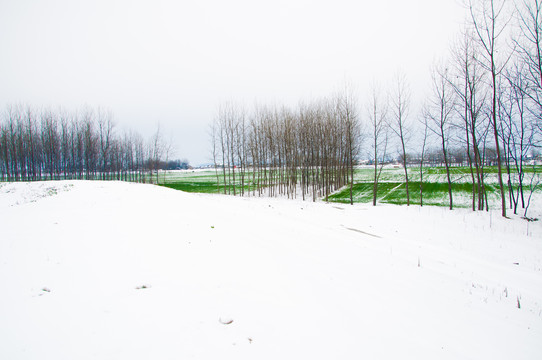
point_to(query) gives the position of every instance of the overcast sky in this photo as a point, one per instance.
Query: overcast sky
(173, 62)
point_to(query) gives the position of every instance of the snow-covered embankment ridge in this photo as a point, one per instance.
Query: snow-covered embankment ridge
(109, 270)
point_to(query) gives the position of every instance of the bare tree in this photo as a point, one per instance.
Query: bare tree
(168, 150)
(422, 155)
(398, 122)
(348, 116)
(105, 131)
(529, 50)
(489, 24)
(156, 150)
(518, 130)
(471, 94)
(438, 111)
(51, 143)
(214, 144)
(377, 112)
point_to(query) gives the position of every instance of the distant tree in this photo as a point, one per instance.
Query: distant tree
(167, 149)
(105, 131)
(377, 112)
(422, 154)
(156, 150)
(51, 143)
(214, 144)
(90, 145)
(438, 112)
(350, 125)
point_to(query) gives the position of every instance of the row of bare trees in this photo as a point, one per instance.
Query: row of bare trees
(308, 151)
(495, 86)
(486, 98)
(40, 145)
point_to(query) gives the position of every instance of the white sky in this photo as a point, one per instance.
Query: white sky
(173, 62)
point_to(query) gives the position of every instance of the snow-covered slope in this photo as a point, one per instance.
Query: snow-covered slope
(109, 270)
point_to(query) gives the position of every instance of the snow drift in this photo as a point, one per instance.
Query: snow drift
(110, 270)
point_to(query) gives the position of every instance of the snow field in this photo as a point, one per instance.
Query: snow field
(110, 270)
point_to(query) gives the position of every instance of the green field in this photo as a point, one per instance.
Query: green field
(199, 182)
(391, 189)
(395, 193)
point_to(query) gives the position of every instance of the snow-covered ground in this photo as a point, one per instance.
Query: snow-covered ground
(110, 270)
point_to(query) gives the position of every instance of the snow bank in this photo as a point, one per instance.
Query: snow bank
(110, 270)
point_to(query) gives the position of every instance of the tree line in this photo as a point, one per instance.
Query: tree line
(54, 145)
(308, 151)
(485, 98)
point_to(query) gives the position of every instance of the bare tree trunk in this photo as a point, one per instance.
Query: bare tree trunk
(488, 35)
(400, 103)
(377, 116)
